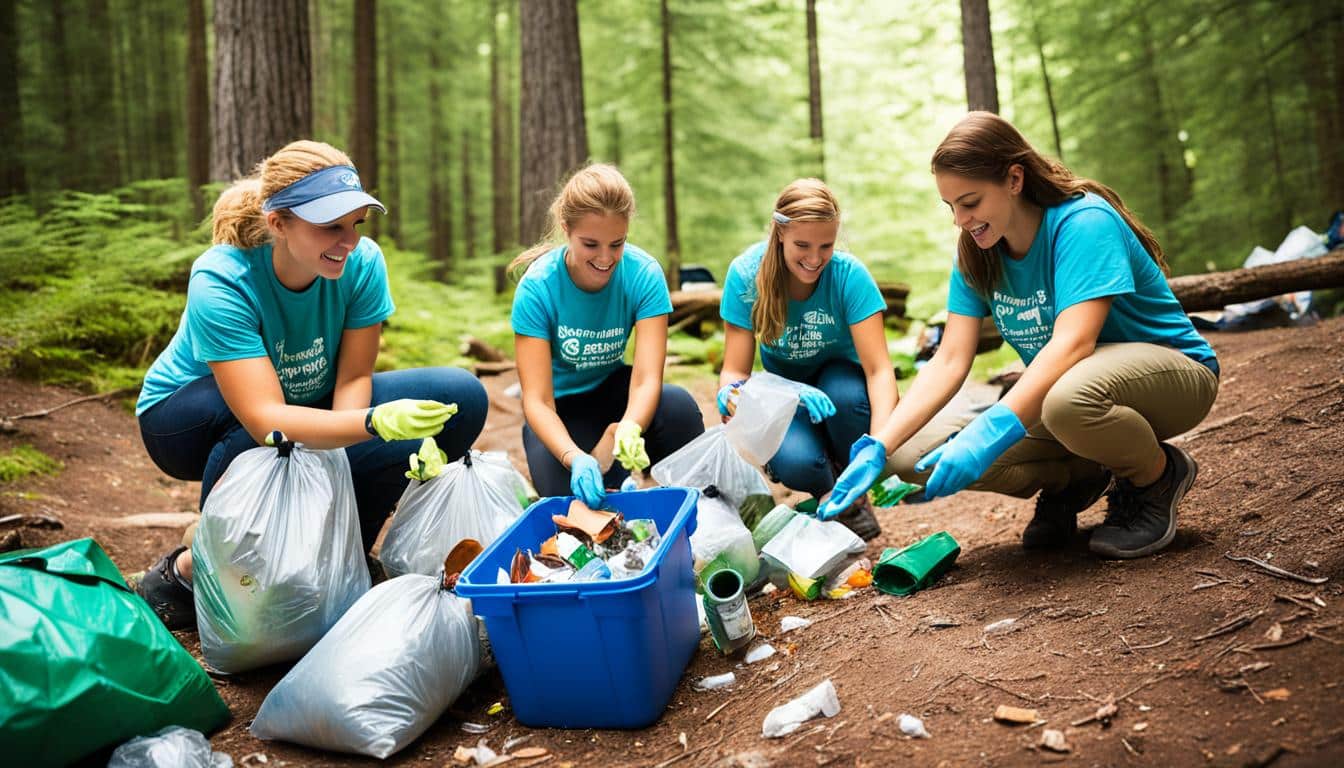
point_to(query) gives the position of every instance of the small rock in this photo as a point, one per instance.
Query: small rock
(1275, 632)
(1140, 726)
(1054, 741)
(1278, 694)
(527, 753)
(1001, 626)
(913, 727)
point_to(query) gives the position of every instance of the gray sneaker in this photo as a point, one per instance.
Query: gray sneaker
(1141, 521)
(1056, 518)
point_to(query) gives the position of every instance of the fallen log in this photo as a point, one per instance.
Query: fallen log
(493, 368)
(1215, 290)
(482, 350)
(704, 305)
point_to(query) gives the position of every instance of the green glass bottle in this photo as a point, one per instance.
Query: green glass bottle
(726, 611)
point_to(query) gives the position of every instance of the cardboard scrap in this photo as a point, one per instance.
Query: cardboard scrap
(1007, 714)
(596, 525)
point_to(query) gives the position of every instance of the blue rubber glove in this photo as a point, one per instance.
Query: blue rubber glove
(819, 406)
(585, 480)
(867, 458)
(962, 460)
(722, 399)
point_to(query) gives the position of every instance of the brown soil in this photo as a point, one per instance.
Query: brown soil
(1270, 486)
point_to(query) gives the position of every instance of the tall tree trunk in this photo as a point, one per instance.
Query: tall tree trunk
(468, 198)
(1285, 206)
(198, 108)
(669, 171)
(1045, 78)
(814, 89)
(440, 247)
(12, 178)
(1327, 132)
(263, 82)
(164, 91)
(554, 136)
(122, 30)
(501, 180)
(391, 195)
(511, 111)
(977, 51)
(102, 102)
(71, 174)
(364, 121)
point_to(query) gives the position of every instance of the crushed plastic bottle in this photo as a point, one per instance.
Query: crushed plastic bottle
(789, 717)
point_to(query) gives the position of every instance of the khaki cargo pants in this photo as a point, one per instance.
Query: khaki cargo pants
(1110, 409)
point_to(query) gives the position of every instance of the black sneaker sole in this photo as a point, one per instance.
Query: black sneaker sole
(1057, 538)
(1173, 454)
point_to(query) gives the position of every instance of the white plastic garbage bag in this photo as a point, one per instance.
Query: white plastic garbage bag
(277, 556)
(171, 747)
(764, 410)
(720, 534)
(710, 460)
(476, 497)
(790, 716)
(387, 670)
(811, 548)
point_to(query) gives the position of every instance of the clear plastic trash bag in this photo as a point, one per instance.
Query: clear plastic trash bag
(764, 410)
(711, 460)
(277, 556)
(811, 548)
(721, 540)
(475, 497)
(387, 670)
(171, 747)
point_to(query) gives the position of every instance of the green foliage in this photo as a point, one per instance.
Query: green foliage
(25, 460)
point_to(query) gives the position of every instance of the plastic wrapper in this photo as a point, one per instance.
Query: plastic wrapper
(171, 747)
(475, 497)
(721, 540)
(790, 716)
(711, 460)
(277, 556)
(764, 409)
(387, 670)
(811, 548)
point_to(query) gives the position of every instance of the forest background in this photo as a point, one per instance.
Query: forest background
(1220, 122)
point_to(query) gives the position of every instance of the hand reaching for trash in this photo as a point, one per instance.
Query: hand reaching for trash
(630, 451)
(962, 460)
(818, 404)
(585, 480)
(408, 419)
(867, 457)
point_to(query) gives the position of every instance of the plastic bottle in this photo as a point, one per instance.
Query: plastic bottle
(590, 567)
(726, 611)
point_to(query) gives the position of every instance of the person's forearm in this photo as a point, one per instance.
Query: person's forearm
(643, 401)
(882, 399)
(729, 376)
(314, 427)
(932, 388)
(548, 427)
(1058, 355)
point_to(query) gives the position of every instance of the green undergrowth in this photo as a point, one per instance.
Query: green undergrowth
(24, 461)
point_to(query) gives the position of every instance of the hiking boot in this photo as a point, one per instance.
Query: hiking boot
(1141, 521)
(1056, 518)
(172, 601)
(860, 519)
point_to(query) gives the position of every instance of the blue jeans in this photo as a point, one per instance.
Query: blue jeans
(676, 422)
(192, 435)
(807, 459)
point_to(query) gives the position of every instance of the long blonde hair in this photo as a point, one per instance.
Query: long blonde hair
(985, 146)
(596, 189)
(237, 219)
(802, 200)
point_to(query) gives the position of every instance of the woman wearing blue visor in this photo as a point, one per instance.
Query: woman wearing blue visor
(281, 331)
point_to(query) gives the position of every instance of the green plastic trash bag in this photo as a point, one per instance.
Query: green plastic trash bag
(907, 570)
(84, 662)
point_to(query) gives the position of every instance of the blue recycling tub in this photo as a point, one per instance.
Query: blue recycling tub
(594, 654)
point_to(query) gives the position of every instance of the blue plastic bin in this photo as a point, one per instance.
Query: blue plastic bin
(594, 654)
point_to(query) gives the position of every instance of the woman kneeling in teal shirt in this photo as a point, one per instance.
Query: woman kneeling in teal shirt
(1076, 286)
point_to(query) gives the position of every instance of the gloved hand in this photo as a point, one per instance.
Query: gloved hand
(630, 450)
(726, 398)
(585, 480)
(409, 419)
(963, 459)
(427, 463)
(867, 457)
(819, 406)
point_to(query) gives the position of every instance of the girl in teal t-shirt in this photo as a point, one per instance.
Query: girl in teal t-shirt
(817, 315)
(280, 332)
(575, 308)
(1114, 368)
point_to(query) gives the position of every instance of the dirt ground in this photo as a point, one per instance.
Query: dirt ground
(1271, 485)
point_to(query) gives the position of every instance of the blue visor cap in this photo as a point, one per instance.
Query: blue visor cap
(323, 196)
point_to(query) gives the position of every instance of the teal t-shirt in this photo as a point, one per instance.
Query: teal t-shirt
(817, 328)
(588, 332)
(238, 309)
(1083, 250)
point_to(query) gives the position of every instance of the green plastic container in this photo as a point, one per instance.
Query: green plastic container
(905, 571)
(770, 525)
(84, 663)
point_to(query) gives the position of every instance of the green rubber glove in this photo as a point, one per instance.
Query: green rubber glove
(409, 419)
(630, 446)
(428, 462)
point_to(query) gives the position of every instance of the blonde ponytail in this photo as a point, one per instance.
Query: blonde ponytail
(237, 219)
(802, 200)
